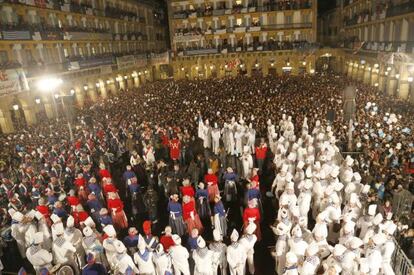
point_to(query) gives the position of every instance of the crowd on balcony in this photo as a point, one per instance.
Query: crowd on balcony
(383, 46)
(238, 8)
(270, 45)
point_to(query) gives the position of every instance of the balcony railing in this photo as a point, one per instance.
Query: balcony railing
(237, 9)
(287, 26)
(261, 46)
(381, 46)
(400, 9)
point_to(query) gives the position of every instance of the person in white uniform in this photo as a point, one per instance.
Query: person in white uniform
(179, 257)
(203, 258)
(143, 258)
(219, 249)
(236, 255)
(248, 241)
(37, 256)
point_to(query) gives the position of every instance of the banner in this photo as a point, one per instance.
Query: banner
(51, 35)
(126, 61)
(16, 35)
(87, 63)
(187, 38)
(141, 60)
(160, 58)
(12, 81)
(87, 36)
(106, 69)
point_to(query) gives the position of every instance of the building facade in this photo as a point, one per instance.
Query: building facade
(378, 44)
(93, 47)
(250, 33)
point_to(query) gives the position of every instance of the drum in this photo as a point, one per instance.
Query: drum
(63, 269)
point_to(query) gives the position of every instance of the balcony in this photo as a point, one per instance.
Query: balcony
(380, 46)
(286, 26)
(242, 47)
(237, 9)
(239, 29)
(400, 9)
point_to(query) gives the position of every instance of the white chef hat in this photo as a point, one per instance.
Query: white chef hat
(291, 258)
(339, 250)
(59, 230)
(372, 209)
(55, 218)
(234, 235)
(141, 242)
(217, 235)
(87, 231)
(119, 246)
(176, 239)
(251, 228)
(377, 219)
(38, 238)
(110, 230)
(201, 243)
(355, 243)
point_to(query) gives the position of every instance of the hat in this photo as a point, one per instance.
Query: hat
(141, 242)
(300, 165)
(291, 258)
(119, 246)
(378, 219)
(55, 218)
(89, 222)
(176, 239)
(320, 230)
(349, 226)
(217, 235)
(38, 238)
(372, 209)
(146, 226)
(39, 215)
(17, 216)
(349, 160)
(355, 243)
(87, 231)
(234, 235)
(379, 238)
(201, 243)
(357, 177)
(110, 230)
(70, 222)
(339, 250)
(59, 230)
(312, 249)
(390, 229)
(365, 189)
(281, 229)
(251, 228)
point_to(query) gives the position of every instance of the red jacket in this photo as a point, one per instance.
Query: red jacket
(261, 152)
(187, 191)
(175, 147)
(109, 188)
(210, 178)
(104, 173)
(187, 209)
(167, 242)
(44, 210)
(251, 213)
(80, 182)
(72, 200)
(115, 203)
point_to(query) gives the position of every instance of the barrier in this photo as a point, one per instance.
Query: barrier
(400, 262)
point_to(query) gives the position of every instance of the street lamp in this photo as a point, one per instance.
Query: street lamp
(85, 87)
(72, 91)
(37, 100)
(304, 63)
(15, 107)
(98, 85)
(410, 79)
(397, 76)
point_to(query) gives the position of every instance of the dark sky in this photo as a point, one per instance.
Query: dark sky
(324, 5)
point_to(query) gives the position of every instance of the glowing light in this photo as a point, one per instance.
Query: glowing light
(85, 87)
(410, 79)
(72, 91)
(49, 83)
(37, 100)
(98, 85)
(15, 107)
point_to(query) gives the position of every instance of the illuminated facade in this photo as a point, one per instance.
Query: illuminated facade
(378, 43)
(216, 38)
(94, 46)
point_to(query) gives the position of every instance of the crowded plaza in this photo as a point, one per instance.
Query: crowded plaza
(206, 137)
(247, 175)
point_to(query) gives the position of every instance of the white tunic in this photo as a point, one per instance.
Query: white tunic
(179, 257)
(39, 257)
(236, 257)
(162, 263)
(144, 262)
(203, 259)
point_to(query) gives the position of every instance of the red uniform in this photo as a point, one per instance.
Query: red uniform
(80, 182)
(118, 216)
(187, 191)
(44, 210)
(80, 216)
(109, 188)
(191, 223)
(175, 146)
(252, 213)
(261, 152)
(104, 173)
(72, 200)
(167, 242)
(212, 187)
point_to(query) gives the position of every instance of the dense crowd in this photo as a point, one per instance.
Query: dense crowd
(163, 179)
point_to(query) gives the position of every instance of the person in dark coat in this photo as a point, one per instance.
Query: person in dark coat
(93, 268)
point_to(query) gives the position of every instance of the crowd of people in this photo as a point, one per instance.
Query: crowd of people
(193, 177)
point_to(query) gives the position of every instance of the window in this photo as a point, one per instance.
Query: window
(288, 19)
(3, 57)
(238, 2)
(306, 18)
(239, 21)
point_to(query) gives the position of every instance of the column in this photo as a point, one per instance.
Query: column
(404, 85)
(29, 114)
(367, 75)
(75, 49)
(17, 50)
(92, 94)
(80, 97)
(392, 83)
(69, 19)
(382, 81)
(374, 76)
(32, 16)
(49, 109)
(39, 48)
(6, 122)
(229, 4)
(88, 48)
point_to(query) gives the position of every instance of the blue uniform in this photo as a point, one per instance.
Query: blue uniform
(95, 188)
(201, 193)
(94, 269)
(105, 220)
(253, 193)
(131, 241)
(175, 209)
(219, 208)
